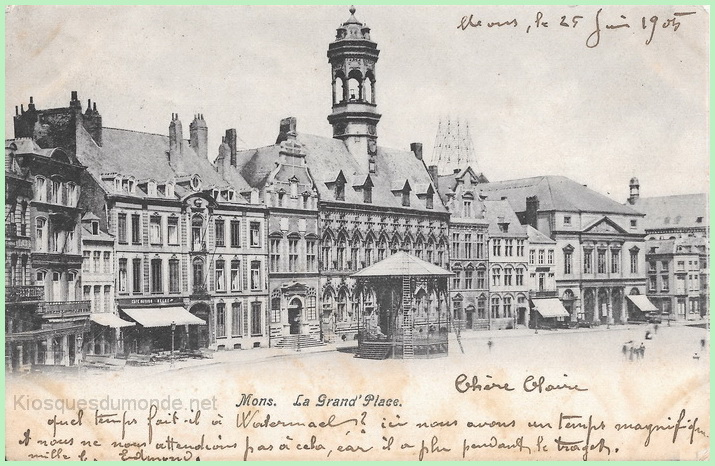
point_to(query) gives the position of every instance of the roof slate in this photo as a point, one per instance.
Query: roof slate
(537, 237)
(555, 193)
(326, 157)
(496, 209)
(144, 155)
(681, 211)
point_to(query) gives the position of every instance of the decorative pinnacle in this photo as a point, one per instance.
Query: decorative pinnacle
(352, 9)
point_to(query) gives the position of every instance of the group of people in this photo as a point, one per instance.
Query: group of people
(631, 351)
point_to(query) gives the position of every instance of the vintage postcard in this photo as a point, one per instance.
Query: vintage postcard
(387, 233)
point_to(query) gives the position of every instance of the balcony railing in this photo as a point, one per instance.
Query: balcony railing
(65, 308)
(15, 294)
(544, 293)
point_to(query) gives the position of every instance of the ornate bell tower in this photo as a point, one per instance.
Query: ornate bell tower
(352, 57)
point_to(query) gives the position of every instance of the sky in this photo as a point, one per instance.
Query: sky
(538, 103)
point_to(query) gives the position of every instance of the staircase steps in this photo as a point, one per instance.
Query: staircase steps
(369, 350)
(298, 341)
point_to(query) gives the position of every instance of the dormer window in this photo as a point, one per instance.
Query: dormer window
(95, 227)
(281, 196)
(406, 198)
(230, 195)
(339, 191)
(117, 185)
(429, 201)
(367, 194)
(567, 220)
(151, 189)
(170, 190)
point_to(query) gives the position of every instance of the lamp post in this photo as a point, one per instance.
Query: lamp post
(173, 329)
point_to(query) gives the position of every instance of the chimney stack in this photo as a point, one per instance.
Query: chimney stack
(532, 209)
(231, 138)
(416, 148)
(31, 105)
(288, 129)
(199, 136)
(175, 138)
(635, 188)
(74, 101)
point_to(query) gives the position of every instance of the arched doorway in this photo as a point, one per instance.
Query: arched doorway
(199, 334)
(295, 312)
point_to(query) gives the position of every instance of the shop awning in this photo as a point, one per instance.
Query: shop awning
(108, 319)
(550, 307)
(643, 303)
(162, 316)
(45, 333)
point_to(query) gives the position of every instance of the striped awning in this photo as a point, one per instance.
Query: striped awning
(550, 307)
(108, 319)
(162, 316)
(643, 303)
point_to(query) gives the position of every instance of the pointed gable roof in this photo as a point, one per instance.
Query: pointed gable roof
(402, 264)
(604, 225)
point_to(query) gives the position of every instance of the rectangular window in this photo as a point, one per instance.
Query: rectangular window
(136, 229)
(481, 280)
(532, 255)
(220, 276)
(567, 220)
(235, 277)
(615, 261)
(122, 228)
(601, 261)
(634, 261)
(550, 260)
(235, 234)
(367, 195)
(496, 247)
(96, 267)
(496, 277)
(311, 308)
(255, 275)
(468, 279)
(220, 233)
(541, 256)
(664, 285)
(519, 277)
(220, 320)
(256, 319)
(455, 245)
(155, 229)
(651, 267)
(480, 246)
(467, 246)
(255, 235)
(156, 279)
(509, 247)
(173, 230)
(275, 310)
(567, 262)
(122, 275)
(136, 276)
(293, 255)
(507, 277)
(107, 262)
(86, 261)
(457, 280)
(664, 266)
(310, 256)
(236, 319)
(588, 261)
(173, 276)
(681, 265)
(275, 254)
(652, 283)
(40, 189)
(520, 247)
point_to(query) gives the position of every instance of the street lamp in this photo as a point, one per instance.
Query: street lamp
(173, 329)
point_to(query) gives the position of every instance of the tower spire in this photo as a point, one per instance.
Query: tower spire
(453, 148)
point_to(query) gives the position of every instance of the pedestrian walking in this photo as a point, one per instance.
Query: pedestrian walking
(702, 344)
(489, 345)
(630, 353)
(625, 351)
(642, 350)
(655, 329)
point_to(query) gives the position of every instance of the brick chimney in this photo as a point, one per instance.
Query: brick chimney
(635, 188)
(175, 138)
(416, 148)
(532, 210)
(231, 138)
(198, 136)
(288, 129)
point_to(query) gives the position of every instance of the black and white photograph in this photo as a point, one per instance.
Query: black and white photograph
(394, 233)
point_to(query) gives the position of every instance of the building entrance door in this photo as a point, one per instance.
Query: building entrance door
(199, 334)
(295, 309)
